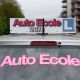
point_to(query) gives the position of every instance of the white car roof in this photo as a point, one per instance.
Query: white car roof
(19, 39)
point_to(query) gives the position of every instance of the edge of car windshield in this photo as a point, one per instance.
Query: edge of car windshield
(28, 46)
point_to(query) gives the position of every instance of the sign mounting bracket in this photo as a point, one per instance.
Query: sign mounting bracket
(43, 33)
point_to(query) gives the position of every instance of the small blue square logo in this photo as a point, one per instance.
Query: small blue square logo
(68, 25)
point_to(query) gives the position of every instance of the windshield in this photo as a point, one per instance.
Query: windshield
(39, 63)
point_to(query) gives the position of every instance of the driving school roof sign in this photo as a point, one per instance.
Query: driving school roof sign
(52, 26)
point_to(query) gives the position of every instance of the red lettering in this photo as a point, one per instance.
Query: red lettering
(20, 24)
(50, 23)
(16, 68)
(64, 70)
(54, 22)
(53, 68)
(45, 23)
(16, 22)
(39, 22)
(31, 68)
(58, 23)
(26, 22)
(31, 23)
(6, 71)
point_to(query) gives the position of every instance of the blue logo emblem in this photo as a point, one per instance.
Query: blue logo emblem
(68, 25)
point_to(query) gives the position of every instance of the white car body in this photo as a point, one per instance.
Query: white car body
(26, 39)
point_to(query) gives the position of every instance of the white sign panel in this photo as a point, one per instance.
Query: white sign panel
(52, 26)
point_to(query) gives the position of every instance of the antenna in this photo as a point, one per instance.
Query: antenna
(43, 32)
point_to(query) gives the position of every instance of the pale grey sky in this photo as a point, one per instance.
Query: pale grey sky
(41, 8)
